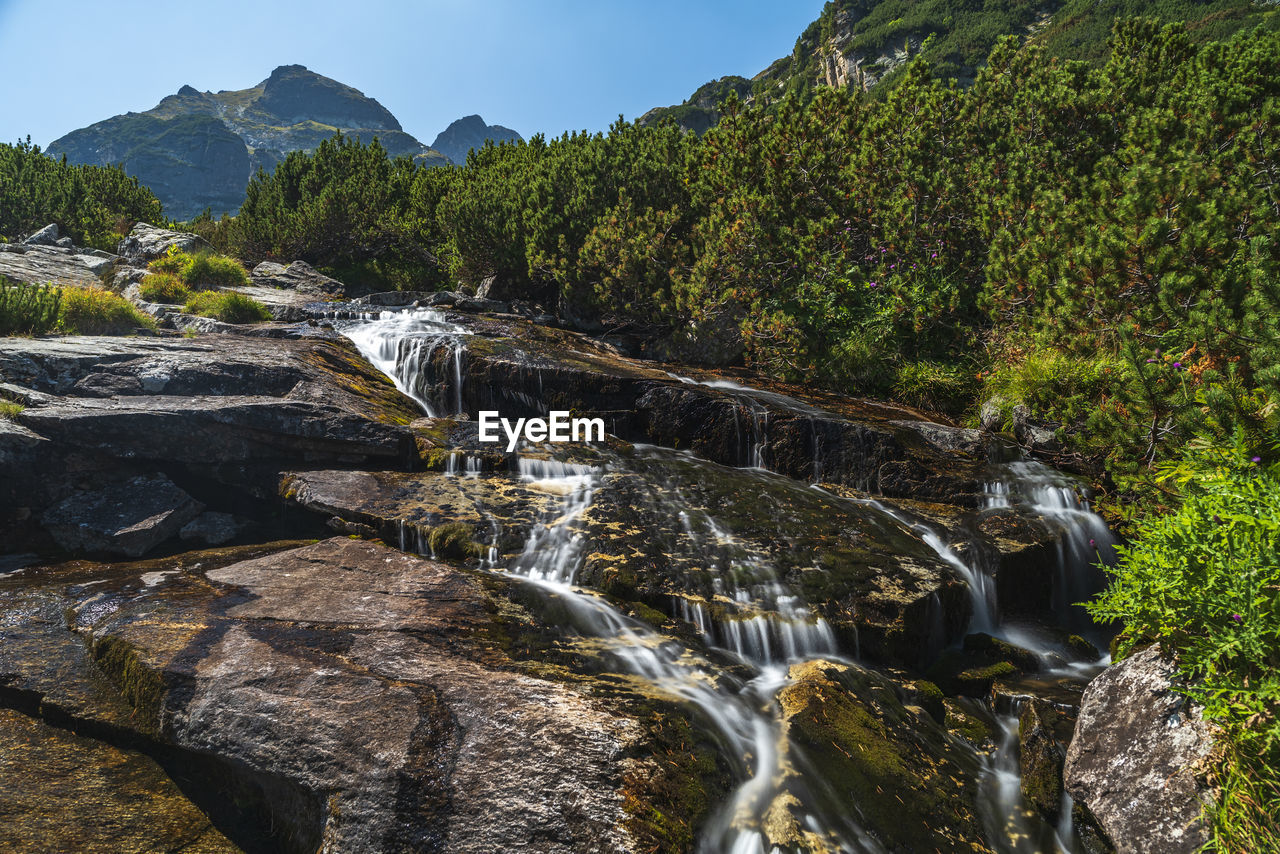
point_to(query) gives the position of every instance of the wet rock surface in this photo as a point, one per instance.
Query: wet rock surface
(64, 792)
(347, 691)
(610, 641)
(1133, 761)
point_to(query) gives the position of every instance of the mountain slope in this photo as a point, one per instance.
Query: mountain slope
(198, 149)
(467, 133)
(859, 44)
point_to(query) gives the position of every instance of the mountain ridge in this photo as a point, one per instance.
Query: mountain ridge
(197, 150)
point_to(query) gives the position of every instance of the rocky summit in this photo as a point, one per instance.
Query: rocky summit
(467, 133)
(197, 150)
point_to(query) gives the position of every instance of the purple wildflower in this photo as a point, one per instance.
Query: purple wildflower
(1177, 366)
(883, 250)
(1149, 361)
(1257, 459)
(1093, 542)
(934, 255)
(1238, 618)
(873, 284)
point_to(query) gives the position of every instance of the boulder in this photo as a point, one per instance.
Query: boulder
(1040, 758)
(128, 518)
(298, 276)
(47, 236)
(222, 406)
(946, 437)
(1133, 760)
(145, 243)
(341, 696)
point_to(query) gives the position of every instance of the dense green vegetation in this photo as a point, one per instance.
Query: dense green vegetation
(95, 311)
(27, 309)
(1203, 582)
(37, 309)
(227, 306)
(1098, 244)
(93, 205)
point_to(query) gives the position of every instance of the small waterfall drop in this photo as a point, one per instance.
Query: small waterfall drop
(403, 345)
(1086, 541)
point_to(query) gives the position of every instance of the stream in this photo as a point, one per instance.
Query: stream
(769, 627)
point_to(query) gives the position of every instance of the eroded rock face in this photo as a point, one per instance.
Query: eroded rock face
(353, 693)
(1133, 759)
(128, 518)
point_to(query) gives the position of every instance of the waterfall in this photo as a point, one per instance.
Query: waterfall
(402, 345)
(1085, 541)
(982, 587)
(1007, 812)
(746, 714)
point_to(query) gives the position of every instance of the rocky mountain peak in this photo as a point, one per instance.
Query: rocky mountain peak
(470, 132)
(294, 94)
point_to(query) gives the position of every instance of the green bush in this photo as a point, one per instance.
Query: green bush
(164, 288)
(27, 309)
(10, 409)
(931, 385)
(94, 311)
(227, 306)
(1204, 582)
(201, 270)
(209, 270)
(1053, 383)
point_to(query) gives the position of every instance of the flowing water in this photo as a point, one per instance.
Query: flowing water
(744, 713)
(750, 614)
(402, 345)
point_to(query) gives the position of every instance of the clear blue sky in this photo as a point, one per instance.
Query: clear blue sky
(532, 65)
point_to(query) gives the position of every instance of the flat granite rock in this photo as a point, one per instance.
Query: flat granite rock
(51, 265)
(347, 694)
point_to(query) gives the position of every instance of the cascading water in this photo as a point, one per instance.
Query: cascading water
(1085, 542)
(748, 612)
(745, 714)
(1011, 817)
(403, 345)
